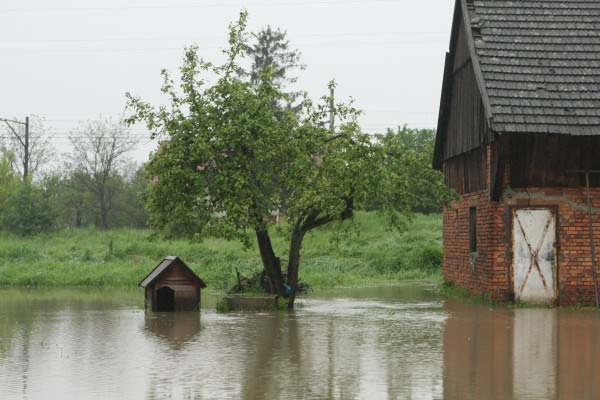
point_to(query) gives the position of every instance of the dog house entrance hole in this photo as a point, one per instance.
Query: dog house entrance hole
(165, 299)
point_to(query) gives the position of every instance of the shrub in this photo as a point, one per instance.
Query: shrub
(27, 211)
(429, 257)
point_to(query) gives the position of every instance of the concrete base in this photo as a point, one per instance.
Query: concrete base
(250, 303)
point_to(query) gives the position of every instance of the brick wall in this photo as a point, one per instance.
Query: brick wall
(575, 283)
(489, 271)
(484, 271)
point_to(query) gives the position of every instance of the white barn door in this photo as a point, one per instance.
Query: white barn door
(534, 258)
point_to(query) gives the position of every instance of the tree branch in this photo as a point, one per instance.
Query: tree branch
(314, 221)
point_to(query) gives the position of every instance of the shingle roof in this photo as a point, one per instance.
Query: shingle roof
(540, 64)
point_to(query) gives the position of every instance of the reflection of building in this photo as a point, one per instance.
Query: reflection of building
(177, 328)
(520, 354)
(518, 138)
(578, 364)
(477, 353)
(534, 353)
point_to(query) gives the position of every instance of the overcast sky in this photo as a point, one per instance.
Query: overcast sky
(73, 60)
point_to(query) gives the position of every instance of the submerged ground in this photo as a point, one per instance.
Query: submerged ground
(392, 342)
(369, 254)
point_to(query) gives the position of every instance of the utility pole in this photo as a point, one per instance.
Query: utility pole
(23, 141)
(26, 152)
(332, 107)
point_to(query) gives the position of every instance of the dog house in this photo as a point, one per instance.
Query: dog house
(172, 286)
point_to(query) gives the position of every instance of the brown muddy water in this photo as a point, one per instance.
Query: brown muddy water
(379, 343)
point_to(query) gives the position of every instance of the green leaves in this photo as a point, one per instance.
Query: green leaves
(408, 156)
(231, 156)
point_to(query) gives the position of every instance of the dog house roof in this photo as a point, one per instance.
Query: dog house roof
(164, 265)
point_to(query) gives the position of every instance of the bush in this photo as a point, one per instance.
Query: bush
(27, 211)
(429, 257)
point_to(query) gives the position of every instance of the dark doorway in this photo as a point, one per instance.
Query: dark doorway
(165, 299)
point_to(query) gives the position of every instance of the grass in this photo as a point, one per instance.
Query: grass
(449, 290)
(330, 258)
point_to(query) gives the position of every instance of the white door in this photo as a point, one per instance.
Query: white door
(534, 258)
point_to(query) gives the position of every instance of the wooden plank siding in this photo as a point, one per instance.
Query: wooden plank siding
(467, 173)
(549, 160)
(187, 292)
(466, 128)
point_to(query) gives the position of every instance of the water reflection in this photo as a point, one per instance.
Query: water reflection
(477, 360)
(520, 354)
(176, 328)
(535, 353)
(395, 343)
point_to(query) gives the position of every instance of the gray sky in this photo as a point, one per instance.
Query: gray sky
(73, 60)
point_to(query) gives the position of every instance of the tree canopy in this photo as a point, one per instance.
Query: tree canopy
(228, 159)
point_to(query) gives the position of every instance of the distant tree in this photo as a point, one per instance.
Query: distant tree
(128, 204)
(28, 210)
(25, 208)
(75, 202)
(99, 150)
(39, 150)
(228, 155)
(270, 49)
(409, 155)
(8, 179)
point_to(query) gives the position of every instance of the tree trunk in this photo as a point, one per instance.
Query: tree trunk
(271, 263)
(294, 263)
(78, 218)
(301, 228)
(103, 210)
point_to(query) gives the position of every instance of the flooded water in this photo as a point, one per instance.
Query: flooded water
(380, 343)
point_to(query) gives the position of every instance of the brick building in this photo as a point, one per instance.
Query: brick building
(519, 139)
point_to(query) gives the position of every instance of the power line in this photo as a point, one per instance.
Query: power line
(204, 5)
(88, 50)
(203, 36)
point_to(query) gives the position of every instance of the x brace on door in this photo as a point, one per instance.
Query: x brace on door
(534, 253)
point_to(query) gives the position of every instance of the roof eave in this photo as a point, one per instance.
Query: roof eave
(443, 110)
(475, 62)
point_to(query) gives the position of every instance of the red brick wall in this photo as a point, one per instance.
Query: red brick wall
(575, 283)
(490, 271)
(486, 272)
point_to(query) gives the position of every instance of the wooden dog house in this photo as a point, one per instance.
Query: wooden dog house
(172, 286)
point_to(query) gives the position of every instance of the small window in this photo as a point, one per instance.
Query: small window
(473, 229)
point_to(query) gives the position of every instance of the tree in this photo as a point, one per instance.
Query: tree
(30, 145)
(409, 153)
(271, 50)
(228, 156)
(98, 152)
(25, 208)
(8, 180)
(28, 210)
(128, 203)
(75, 203)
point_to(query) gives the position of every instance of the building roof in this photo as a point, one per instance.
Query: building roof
(164, 266)
(537, 63)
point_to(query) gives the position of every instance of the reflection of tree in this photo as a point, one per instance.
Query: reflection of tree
(258, 380)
